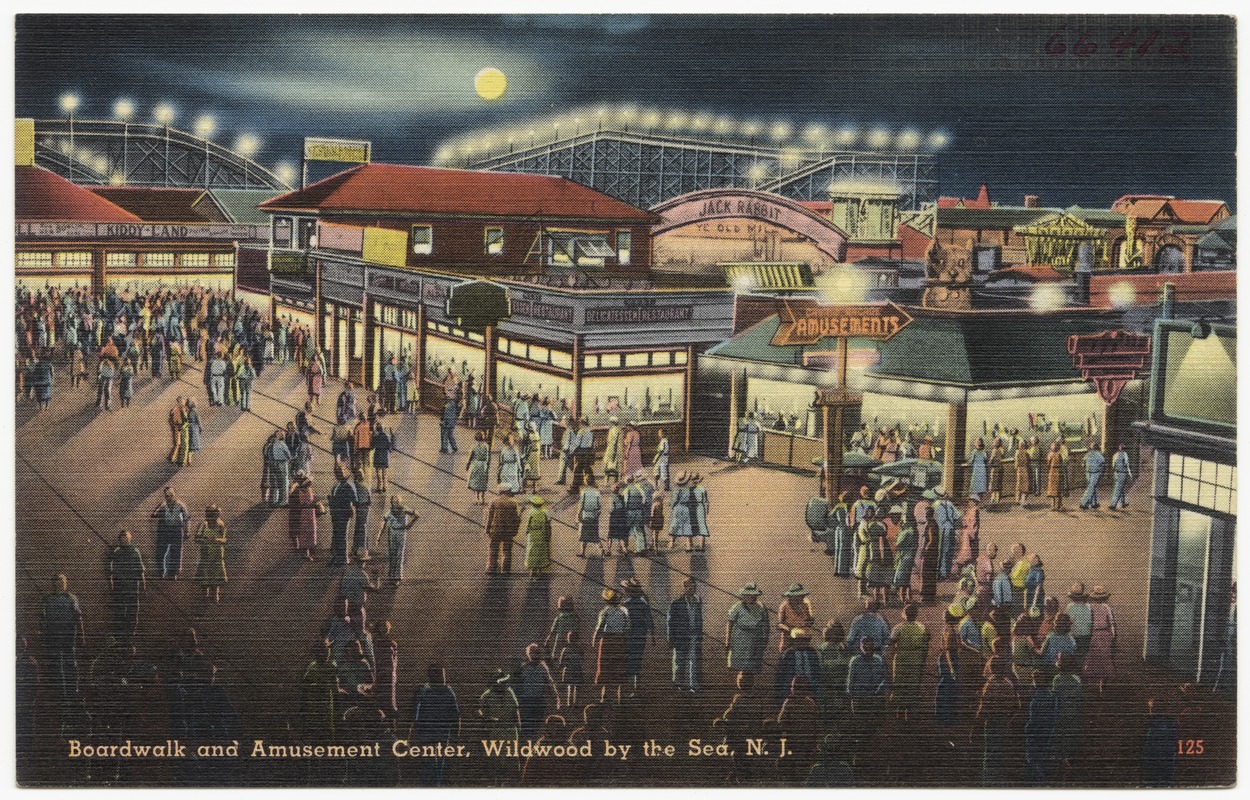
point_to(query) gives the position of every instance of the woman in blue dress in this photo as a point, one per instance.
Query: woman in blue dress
(546, 424)
(195, 431)
(510, 464)
(978, 462)
(679, 521)
(478, 468)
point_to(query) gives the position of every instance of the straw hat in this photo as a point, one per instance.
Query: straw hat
(682, 479)
(1098, 594)
(537, 501)
(1077, 592)
(610, 596)
(749, 590)
(940, 491)
(795, 590)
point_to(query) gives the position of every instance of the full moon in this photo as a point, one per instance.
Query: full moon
(490, 84)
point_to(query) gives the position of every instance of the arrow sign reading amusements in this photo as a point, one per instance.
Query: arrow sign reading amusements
(807, 322)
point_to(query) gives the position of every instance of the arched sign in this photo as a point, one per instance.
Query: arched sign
(716, 204)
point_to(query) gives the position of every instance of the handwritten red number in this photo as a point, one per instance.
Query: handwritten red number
(1145, 48)
(1055, 45)
(1124, 41)
(1085, 46)
(1177, 48)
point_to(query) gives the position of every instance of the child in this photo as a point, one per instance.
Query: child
(656, 520)
(566, 620)
(570, 665)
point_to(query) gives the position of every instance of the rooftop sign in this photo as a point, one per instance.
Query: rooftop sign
(805, 322)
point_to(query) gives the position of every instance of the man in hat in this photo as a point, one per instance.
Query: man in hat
(746, 632)
(659, 464)
(685, 636)
(1095, 463)
(583, 457)
(342, 501)
(1078, 610)
(869, 624)
(946, 515)
(172, 519)
(795, 612)
(503, 523)
(568, 449)
(1123, 474)
(640, 631)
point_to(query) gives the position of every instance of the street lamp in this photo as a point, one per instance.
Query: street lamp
(205, 125)
(69, 104)
(124, 109)
(164, 114)
(246, 145)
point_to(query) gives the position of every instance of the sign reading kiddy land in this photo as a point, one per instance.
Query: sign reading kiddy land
(807, 322)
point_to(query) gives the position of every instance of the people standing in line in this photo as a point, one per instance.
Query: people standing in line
(684, 629)
(747, 631)
(1095, 464)
(61, 623)
(341, 501)
(172, 529)
(680, 525)
(503, 523)
(277, 458)
(609, 641)
(211, 569)
(1123, 474)
(631, 450)
(978, 464)
(127, 580)
(537, 538)
(393, 537)
(302, 516)
(478, 468)
(911, 650)
(660, 463)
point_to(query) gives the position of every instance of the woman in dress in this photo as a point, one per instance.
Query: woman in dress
(589, 509)
(998, 454)
(316, 378)
(1034, 584)
(794, 613)
(537, 538)
(931, 549)
(478, 468)
(393, 536)
(1054, 477)
(969, 537)
(302, 515)
(699, 507)
(609, 641)
(946, 703)
(911, 648)
(1024, 476)
(1100, 660)
(510, 464)
(679, 520)
(906, 543)
(631, 450)
(532, 466)
(211, 570)
(881, 562)
(546, 426)
(382, 444)
(618, 520)
(195, 432)
(746, 632)
(978, 464)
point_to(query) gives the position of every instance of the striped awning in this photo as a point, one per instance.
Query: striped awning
(768, 275)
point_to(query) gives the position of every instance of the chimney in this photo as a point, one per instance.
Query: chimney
(1030, 201)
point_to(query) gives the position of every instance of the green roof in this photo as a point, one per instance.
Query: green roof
(1099, 217)
(986, 350)
(997, 218)
(755, 344)
(1216, 240)
(239, 205)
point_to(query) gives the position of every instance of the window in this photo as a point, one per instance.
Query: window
(637, 359)
(494, 241)
(610, 360)
(679, 357)
(623, 240)
(422, 239)
(581, 249)
(1202, 483)
(307, 233)
(158, 259)
(34, 259)
(81, 258)
(121, 260)
(223, 260)
(282, 231)
(195, 259)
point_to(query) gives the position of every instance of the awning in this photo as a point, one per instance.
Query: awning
(768, 275)
(581, 245)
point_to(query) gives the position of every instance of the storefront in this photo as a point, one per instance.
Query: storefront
(1193, 546)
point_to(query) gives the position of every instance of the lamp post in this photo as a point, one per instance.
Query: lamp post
(123, 110)
(204, 127)
(69, 104)
(164, 114)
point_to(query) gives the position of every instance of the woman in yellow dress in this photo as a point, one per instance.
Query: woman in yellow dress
(211, 570)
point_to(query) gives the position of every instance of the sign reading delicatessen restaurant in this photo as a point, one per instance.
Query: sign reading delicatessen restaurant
(805, 322)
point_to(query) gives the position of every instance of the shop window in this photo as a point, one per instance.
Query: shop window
(539, 353)
(422, 239)
(501, 344)
(679, 357)
(582, 249)
(590, 362)
(637, 359)
(158, 259)
(561, 360)
(634, 398)
(307, 234)
(121, 260)
(195, 259)
(281, 232)
(610, 360)
(623, 240)
(34, 259)
(476, 337)
(518, 349)
(79, 258)
(223, 260)
(494, 241)
(662, 359)
(1202, 483)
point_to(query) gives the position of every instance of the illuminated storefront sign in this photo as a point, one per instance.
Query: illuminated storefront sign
(139, 230)
(346, 151)
(805, 322)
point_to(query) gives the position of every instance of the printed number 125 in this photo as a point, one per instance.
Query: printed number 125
(1189, 747)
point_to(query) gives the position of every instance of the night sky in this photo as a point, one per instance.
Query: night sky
(1071, 128)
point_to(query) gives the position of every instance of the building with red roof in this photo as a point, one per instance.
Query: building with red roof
(133, 238)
